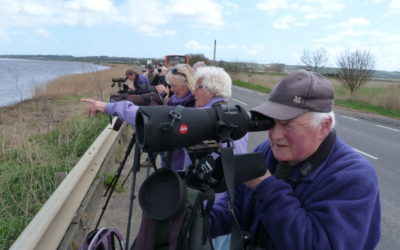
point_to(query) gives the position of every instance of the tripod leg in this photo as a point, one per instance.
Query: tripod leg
(135, 169)
(130, 171)
(122, 164)
(153, 158)
(115, 179)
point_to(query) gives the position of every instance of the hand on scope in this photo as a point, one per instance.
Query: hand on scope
(256, 181)
(94, 106)
(161, 88)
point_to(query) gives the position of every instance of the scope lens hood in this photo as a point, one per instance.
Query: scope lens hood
(162, 194)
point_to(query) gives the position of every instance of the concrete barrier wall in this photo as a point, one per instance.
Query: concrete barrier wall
(63, 219)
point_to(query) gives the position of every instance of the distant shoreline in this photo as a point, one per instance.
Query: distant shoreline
(253, 67)
(22, 77)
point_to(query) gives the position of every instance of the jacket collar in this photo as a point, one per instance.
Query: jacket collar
(308, 169)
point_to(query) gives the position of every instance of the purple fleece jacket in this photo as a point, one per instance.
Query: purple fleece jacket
(336, 206)
(140, 79)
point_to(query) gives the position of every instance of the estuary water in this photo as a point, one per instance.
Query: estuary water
(18, 77)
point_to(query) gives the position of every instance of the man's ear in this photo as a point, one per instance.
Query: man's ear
(326, 127)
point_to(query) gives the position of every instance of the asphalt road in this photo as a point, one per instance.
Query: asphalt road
(375, 139)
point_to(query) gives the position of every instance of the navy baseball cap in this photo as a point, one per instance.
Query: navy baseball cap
(297, 93)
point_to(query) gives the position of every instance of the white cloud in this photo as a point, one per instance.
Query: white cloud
(301, 10)
(389, 53)
(104, 6)
(352, 22)
(230, 5)
(394, 7)
(153, 14)
(230, 46)
(394, 4)
(284, 22)
(272, 6)
(200, 11)
(252, 49)
(196, 46)
(372, 1)
(304, 23)
(43, 32)
(153, 31)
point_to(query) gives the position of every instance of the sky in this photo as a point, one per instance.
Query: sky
(257, 31)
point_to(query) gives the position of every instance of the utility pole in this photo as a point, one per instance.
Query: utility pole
(215, 48)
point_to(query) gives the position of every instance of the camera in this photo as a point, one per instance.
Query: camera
(162, 128)
(159, 70)
(121, 79)
(122, 87)
(208, 170)
(214, 167)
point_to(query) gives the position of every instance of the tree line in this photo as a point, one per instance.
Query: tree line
(354, 68)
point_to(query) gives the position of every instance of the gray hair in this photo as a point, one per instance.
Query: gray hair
(318, 117)
(199, 64)
(215, 80)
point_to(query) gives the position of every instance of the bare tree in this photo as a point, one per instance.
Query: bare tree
(316, 59)
(355, 68)
(16, 73)
(95, 79)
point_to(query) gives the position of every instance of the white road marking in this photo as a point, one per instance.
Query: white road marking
(247, 90)
(351, 118)
(236, 100)
(370, 156)
(388, 128)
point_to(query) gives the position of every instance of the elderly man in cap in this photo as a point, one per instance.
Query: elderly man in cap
(318, 193)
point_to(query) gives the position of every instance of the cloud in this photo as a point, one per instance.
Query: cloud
(197, 46)
(230, 5)
(272, 6)
(100, 6)
(43, 32)
(300, 10)
(284, 22)
(252, 49)
(152, 14)
(352, 22)
(194, 11)
(394, 7)
(155, 32)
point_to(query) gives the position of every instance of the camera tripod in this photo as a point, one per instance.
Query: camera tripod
(135, 169)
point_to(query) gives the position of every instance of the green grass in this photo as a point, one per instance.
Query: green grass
(362, 106)
(252, 86)
(27, 173)
(108, 181)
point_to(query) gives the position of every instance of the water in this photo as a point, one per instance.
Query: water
(18, 77)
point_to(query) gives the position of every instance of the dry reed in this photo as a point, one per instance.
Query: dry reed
(382, 93)
(54, 103)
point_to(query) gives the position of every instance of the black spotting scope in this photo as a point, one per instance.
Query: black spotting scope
(162, 128)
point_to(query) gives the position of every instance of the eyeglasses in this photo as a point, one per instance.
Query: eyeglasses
(176, 72)
(198, 87)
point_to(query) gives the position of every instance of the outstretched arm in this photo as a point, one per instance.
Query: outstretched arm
(94, 106)
(125, 110)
